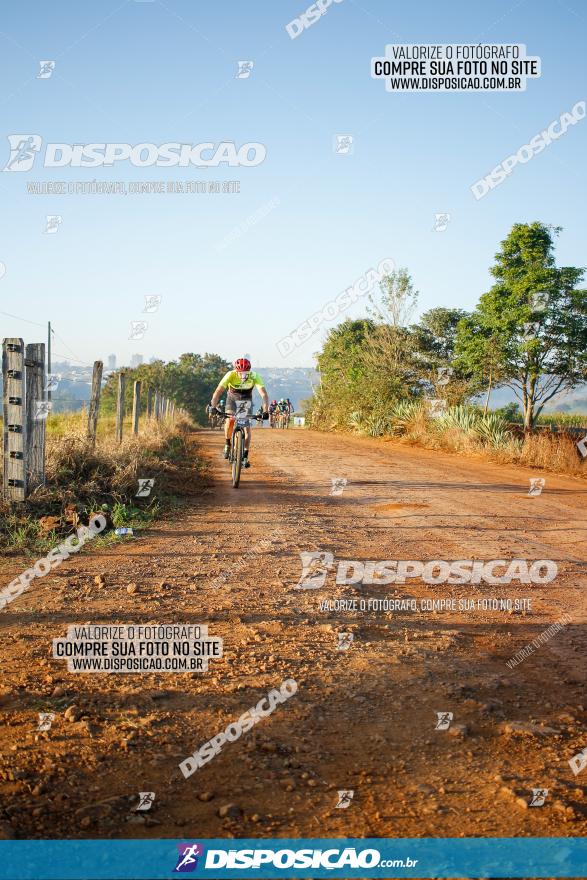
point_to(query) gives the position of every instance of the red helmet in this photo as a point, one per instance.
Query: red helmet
(242, 365)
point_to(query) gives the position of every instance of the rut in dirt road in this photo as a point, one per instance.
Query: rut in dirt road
(364, 719)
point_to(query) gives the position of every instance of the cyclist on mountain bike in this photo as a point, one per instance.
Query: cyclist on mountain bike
(239, 384)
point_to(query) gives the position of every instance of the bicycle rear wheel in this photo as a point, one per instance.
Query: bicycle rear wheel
(237, 456)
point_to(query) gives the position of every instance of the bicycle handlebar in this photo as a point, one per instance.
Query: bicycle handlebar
(225, 415)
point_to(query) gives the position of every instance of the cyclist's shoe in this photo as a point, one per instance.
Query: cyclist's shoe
(246, 462)
(226, 450)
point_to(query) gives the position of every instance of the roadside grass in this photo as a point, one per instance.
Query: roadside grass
(82, 480)
(465, 430)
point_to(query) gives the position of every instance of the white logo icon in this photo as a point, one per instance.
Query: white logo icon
(138, 329)
(344, 798)
(146, 799)
(46, 719)
(152, 302)
(145, 487)
(54, 221)
(42, 409)
(338, 484)
(436, 407)
(315, 567)
(52, 381)
(536, 486)
(345, 641)
(539, 795)
(245, 68)
(444, 719)
(582, 446)
(343, 144)
(578, 762)
(23, 149)
(47, 68)
(441, 222)
(530, 330)
(539, 301)
(444, 375)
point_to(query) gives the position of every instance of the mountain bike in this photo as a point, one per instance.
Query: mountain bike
(242, 419)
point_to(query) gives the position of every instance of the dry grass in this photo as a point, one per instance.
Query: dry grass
(81, 479)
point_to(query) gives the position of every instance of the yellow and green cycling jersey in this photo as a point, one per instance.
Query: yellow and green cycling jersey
(233, 383)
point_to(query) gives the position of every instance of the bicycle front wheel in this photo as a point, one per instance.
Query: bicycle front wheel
(237, 456)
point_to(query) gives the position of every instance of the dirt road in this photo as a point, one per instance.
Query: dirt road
(363, 719)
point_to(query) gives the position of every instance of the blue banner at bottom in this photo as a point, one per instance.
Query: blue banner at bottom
(289, 858)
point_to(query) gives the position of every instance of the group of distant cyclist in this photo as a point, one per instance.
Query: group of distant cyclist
(238, 384)
(280, 412)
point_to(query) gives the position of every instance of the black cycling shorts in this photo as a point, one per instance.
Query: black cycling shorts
(235, 395)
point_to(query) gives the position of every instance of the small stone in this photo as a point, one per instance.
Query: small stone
(58, 691)
(231, 811)
(72, 714)
(99, 580)
(522, 802)
(85, 822)
(206, 796)
(131, 588)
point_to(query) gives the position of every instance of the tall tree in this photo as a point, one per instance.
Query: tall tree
(531, 325)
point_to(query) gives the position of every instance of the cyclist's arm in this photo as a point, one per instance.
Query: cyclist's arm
(218, 394)
(264, 397)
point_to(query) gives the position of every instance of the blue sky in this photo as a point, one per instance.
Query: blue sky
(160, 72)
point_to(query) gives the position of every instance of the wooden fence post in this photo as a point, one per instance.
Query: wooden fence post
(120, 406)
(95, 402)
(36, 415)
(157, 405)
(149, 402)
(14, 427)
(136, 406)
